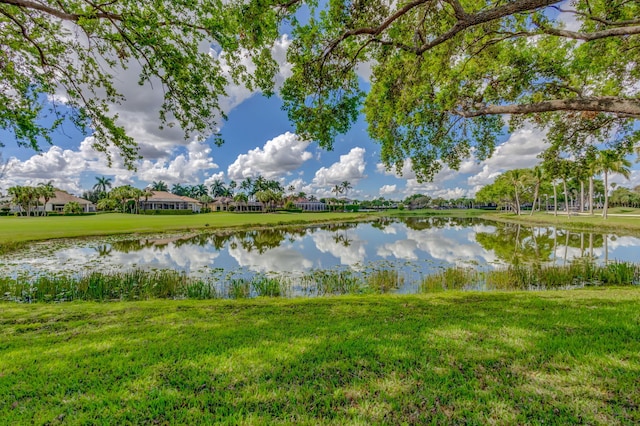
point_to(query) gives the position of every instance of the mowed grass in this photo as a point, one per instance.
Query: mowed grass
(557, 357)
(20, 229)
(627, 223)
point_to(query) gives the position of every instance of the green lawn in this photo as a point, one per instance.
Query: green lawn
(624, 219)
(557, 357)
(19, 229)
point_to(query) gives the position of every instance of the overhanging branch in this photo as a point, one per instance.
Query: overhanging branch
(629, 108)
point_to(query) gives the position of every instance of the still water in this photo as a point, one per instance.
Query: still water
(414, 246)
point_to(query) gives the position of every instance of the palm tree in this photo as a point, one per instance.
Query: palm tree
(537, 175)
(148, 192)
(17, 194)
(591, 165)
(121, 194)
(611, 161)
(241, 199)
(102, 184)
(136, 193)
(46, 191)
(566, 172)
(178, 189)
(217, 188)
(199, 191)
(337, 189)
(346, 186)
(159, 186)
(517, 178)
(247, 185)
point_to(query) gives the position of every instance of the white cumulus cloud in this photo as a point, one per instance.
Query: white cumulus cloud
(350, 168)
(279, 156)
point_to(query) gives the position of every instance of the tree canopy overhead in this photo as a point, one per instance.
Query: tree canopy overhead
(73, 49)
(444, 72)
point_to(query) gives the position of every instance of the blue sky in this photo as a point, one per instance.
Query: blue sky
(259, 140)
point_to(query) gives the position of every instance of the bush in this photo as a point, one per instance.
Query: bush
(167, 212)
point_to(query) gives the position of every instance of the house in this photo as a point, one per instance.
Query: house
(310, 206)
(221, 204)
(61, 199)
(163, 200)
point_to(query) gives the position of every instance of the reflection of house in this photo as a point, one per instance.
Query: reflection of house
(162, 200)
(61, 199)
(310, 206)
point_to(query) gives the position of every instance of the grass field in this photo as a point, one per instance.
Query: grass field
(557, 357)
(623, 220)
(19, 229)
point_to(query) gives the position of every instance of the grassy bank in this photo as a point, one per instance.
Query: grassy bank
(625, 223)
(500, 358)
(434, 212)
(20, 229)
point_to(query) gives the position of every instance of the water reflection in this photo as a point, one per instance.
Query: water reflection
(415, 246)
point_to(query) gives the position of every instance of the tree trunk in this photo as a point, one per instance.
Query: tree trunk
(606, 195)
(555, 200)
(535, 197)
(581, 196)
(591, 195)
(566, 196)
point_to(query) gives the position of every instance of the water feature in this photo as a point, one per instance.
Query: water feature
(415, 247)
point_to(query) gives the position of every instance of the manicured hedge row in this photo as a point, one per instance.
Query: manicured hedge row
(167, 212)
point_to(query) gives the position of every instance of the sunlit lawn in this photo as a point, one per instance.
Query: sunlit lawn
(557, 357)
(622, 219)
(16, 229)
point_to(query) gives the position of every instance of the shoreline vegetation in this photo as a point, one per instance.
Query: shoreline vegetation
(139, 284)
(559, 357)
(15, 231)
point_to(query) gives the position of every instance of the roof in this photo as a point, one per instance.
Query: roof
(63, 197)
(167, 197)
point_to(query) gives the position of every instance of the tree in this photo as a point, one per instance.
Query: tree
(73, 49)
(241, 199)
(517, 178)
(159, 186)
(102, 185)
(337, 189)
(444, 72)
(198, 191)
(136, 194)
(611, 161)
(72, 207)
(565, 173)
(537, 177)
(178, 189)
(47, 192)
(217, 188)
(346, 186)
(107, 204)
(121, 194)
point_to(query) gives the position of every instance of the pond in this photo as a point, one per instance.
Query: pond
(415, 247)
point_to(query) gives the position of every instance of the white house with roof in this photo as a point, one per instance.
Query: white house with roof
(61, 199)
(163, 200)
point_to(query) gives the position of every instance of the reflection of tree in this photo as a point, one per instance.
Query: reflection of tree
(424, 223)
(382, 223)
(103, 250)
(342, 239)
(128, 246)
(266, 239)
(517, 243)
